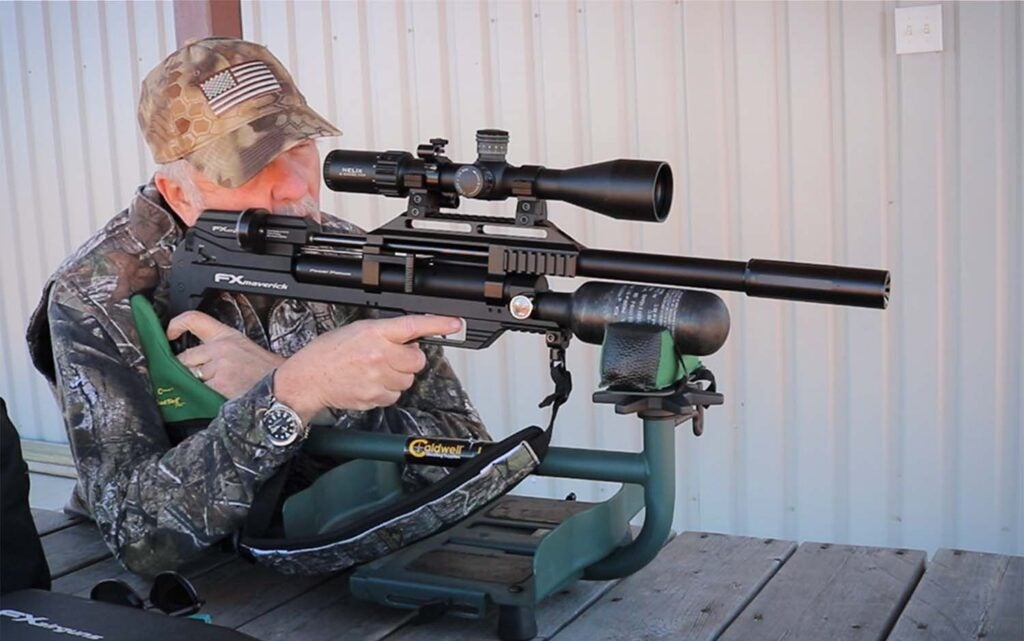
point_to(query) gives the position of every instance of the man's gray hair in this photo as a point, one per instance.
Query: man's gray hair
(180, 171)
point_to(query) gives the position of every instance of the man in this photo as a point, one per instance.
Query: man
(229, 131)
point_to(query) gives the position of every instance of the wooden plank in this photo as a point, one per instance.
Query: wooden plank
(692, 591)
(966, 595)
(52, 469)
(73, 548)
(235, 591)
(56, 454)
(238, 592)
(326, 612)
(81, 582)
(565, 606)
(833, 592)
(49, 521)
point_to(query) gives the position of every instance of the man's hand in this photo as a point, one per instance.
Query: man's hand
(227, 360)
(360, 366)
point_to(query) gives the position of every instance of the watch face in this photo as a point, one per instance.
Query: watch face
(281, 425)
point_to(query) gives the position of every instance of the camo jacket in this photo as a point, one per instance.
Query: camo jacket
(158, 504)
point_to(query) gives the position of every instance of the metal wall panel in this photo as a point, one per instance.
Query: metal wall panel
(70, 156)
(794, 131)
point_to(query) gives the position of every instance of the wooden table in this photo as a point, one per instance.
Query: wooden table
(702, 586)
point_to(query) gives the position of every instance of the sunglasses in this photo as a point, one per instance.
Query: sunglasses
(171, 593)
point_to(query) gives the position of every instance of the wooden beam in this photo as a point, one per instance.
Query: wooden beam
(49, 458)
(695, 588)
(835, 592)
(966, 595)
(202, 18)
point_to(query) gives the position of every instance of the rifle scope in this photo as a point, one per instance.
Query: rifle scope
(623, 189)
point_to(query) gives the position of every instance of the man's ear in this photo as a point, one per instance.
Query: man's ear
(177, 199)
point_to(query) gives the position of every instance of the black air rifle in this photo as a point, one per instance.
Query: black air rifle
(492, 271)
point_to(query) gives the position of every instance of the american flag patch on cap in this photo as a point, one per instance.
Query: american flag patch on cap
(236, 84)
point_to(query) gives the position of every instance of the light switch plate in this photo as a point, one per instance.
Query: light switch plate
(918, 29)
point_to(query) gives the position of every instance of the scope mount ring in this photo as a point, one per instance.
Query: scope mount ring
(530, 211)
(424, 203)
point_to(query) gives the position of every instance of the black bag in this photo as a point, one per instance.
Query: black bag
(22, 562)
(30, 615)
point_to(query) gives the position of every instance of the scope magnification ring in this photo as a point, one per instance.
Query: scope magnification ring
(385, 173)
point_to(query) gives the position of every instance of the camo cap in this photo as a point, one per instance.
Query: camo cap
(227, 106)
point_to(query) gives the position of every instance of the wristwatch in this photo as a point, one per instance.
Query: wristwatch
(282, 424)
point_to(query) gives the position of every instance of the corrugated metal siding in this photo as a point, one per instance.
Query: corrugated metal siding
(71, 156)
(794, 131)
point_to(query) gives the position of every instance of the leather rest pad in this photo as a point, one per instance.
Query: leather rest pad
(637, 358)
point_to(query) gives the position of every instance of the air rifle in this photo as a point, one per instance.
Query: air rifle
(492, 271)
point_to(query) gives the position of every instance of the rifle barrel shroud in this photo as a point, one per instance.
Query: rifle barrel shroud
(808, 282)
